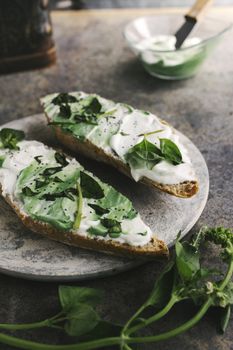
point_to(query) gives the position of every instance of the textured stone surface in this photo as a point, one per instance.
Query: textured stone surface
(93, 56)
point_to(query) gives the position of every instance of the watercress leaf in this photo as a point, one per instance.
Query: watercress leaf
(103, 329)
(187, 260)
(61, 159)
(225, 318)
(90, 187)
(65, 111)
(143, 155)
(10, 137)
(69, 296)
(1, 160)
(163, 286)
(170, 151)
(82, 318)
(64, 98)
(98, 209)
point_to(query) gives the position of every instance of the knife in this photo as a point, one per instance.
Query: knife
(190, 20)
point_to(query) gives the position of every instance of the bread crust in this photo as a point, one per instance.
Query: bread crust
(156, 248)
(185, 189)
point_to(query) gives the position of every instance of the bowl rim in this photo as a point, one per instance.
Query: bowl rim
(228, 26)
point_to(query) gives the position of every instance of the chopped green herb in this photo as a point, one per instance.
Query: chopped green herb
(98, 231)
(64, 98)
(51, 171)
(61, 159)
(28, 192)
(65, 111)
(37, 158)
(98, 209)
(10, 137)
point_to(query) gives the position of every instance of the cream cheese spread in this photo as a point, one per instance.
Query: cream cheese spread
(134, 231)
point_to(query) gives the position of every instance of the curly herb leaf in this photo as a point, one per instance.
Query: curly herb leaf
(10, 137)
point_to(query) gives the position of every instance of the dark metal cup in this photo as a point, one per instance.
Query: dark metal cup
(25, 35)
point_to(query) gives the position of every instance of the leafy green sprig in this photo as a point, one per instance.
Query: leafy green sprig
(146, 154)
(184, 277)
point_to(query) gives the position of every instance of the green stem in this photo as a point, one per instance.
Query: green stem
(30, 345)
(174, 299)
(137, 313)
(228, 276)
(80, 205)
(45, 323)
(174, 332)
(187, 325)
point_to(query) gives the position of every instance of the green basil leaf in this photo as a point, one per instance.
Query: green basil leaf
(10, 137)
(70, 296)
(81, 319)
(64, 98)
(170, 151)
(90, 187)
(61, 159)
(187, 260)
(144, 155)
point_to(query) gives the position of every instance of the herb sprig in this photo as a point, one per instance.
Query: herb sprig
(147, 154)
(184, 278)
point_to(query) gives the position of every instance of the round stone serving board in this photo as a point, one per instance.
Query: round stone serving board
(26, 254)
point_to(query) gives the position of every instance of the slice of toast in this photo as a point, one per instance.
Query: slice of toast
(15, 197)
(87, 147)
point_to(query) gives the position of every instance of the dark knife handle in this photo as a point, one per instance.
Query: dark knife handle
(198, 8)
